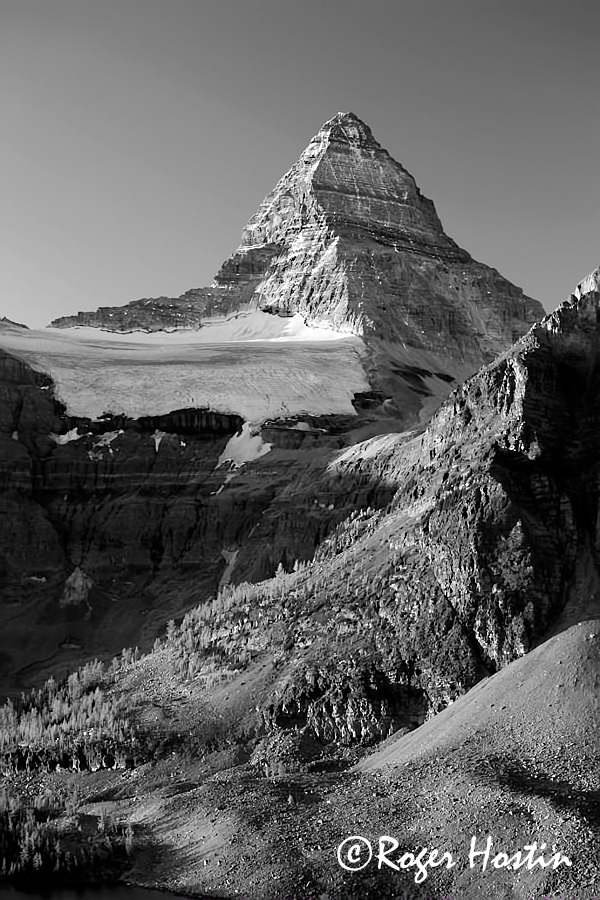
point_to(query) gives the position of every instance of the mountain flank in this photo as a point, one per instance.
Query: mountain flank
(458, 622)
(345, 313)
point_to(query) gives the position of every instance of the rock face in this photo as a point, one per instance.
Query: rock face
(109, 528)
(157, 313)
(346, 236)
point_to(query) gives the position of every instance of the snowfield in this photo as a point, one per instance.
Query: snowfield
(255, 365)
(243, 447)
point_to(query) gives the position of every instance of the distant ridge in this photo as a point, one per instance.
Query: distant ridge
(8, 323)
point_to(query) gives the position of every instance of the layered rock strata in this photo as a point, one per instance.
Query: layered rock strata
(157, 313)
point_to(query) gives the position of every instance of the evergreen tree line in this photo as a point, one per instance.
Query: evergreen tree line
(78, 724)
(35, 847)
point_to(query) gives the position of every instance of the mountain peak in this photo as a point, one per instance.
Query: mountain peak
(347, 238)
(590, 284)
(347, 128)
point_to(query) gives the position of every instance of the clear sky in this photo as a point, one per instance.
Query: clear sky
(138, 136)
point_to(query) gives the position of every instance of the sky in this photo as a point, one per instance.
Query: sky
(138, 136)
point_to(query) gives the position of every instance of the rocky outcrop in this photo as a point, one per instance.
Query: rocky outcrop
(158, 313)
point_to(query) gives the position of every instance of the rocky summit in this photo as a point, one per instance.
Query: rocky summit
(346, 236)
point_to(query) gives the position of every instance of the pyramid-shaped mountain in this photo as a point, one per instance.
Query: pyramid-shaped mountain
(346, 238)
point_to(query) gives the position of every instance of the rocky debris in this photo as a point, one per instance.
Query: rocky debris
(77, 589)
(286, 751)
(543, 701)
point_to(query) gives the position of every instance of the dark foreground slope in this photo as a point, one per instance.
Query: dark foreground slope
(515, 760)
(235, 734)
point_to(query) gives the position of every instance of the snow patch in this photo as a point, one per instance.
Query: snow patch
(243, 326)
(230, 557)
(229, 477)
(67, 438)
(106, 439)
(243, 447)
(157, 438)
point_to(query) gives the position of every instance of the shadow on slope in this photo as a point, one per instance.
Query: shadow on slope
(543, 709)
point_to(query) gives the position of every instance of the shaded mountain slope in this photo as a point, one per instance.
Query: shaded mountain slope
(109, 528)
(536, 713)
(476, 583)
